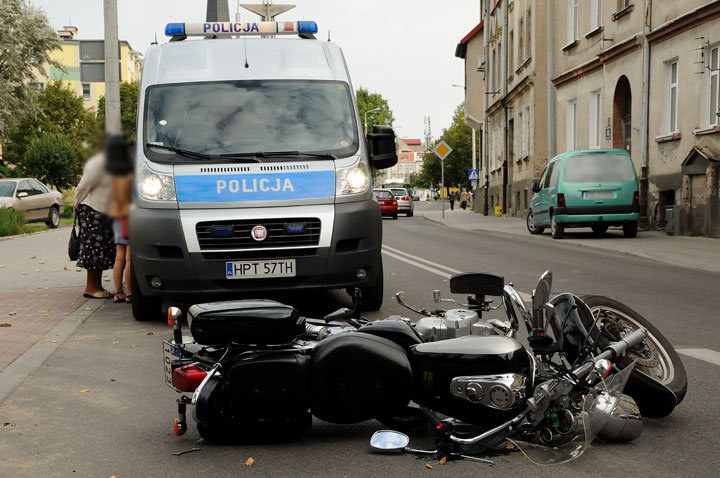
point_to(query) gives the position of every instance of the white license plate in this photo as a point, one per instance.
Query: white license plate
(598, 194)
(170, 353)
(255, 269)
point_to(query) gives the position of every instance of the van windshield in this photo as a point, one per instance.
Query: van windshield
(245, 117)
(598, 168)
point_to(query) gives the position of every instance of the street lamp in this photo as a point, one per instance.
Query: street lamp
(366, 113)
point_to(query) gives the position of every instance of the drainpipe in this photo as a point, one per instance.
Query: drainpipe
(551, 139)
(486, 149)
(506, 146)
(644, 167)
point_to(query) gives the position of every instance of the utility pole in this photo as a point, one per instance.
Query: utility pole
(217, 11)
(112, 68)
(266, 10)
(428, 133)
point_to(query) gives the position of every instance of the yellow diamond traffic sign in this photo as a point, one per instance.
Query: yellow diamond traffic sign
(442, 150)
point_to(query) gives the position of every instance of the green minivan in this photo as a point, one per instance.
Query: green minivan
(594, 188)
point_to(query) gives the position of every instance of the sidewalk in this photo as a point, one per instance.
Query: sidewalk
(692, 252)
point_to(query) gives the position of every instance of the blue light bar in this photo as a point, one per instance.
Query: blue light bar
(172, 29)
(307, 27)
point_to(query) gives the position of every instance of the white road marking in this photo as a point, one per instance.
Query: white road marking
(703, 354)
(416, 261)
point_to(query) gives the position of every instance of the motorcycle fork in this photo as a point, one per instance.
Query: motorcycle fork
(180, 426)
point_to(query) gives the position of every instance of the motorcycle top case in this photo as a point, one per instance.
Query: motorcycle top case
(244, 322)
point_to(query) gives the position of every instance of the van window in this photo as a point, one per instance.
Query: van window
(548, 174)
(595, 168)
(554, 176)
(236, 117)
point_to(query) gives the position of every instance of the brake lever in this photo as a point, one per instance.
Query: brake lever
(422, 311)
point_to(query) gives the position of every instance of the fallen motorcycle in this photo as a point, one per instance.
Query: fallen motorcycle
(256, 368)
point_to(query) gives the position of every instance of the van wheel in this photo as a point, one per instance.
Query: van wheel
(53, 219)
(372, 296)
(599, 229)
(630, 229)
(143, 308)
(557, 229)
(530, 223)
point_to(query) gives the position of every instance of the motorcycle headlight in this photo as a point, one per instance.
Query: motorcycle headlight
(352, 180)
(156, 186)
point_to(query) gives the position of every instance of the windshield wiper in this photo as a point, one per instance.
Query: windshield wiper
(278, 154)
(181, 152)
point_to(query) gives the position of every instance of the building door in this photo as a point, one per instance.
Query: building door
(622, 118)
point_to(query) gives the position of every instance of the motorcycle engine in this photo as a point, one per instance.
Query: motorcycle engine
(455, 323)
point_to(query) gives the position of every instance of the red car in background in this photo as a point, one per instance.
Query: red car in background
(388, 203)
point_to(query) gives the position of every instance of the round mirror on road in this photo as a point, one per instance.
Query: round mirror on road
(388, 440)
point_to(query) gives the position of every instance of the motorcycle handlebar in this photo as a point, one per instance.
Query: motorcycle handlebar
(613, 351)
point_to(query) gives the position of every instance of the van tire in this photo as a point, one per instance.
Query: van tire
(372, 296)
(557, 229)
(530, 223)
(599, 229)
(630, 229)
(143, 308)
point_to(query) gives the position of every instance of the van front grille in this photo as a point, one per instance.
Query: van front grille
(237, 233)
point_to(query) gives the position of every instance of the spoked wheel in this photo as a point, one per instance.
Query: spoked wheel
(654, 357)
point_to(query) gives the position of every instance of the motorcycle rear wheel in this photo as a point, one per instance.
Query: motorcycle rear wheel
(655, 357)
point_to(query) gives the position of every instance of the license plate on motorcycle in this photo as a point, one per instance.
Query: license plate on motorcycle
(170, 353)
(598, 194)
(255, 269)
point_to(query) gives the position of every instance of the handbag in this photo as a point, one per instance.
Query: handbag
(74, 242)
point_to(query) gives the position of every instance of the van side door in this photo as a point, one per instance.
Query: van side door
(542, 201)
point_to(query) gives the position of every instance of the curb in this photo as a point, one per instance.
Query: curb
(16, 373)
(61, 226)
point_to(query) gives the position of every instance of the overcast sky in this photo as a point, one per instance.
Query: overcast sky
(402, 49)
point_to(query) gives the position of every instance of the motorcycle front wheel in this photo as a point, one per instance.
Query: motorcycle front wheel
(655, 358)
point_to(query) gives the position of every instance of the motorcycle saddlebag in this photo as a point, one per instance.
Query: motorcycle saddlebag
(244, 322)
(358, 376)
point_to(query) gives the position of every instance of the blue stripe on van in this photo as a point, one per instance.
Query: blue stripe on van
(255, 187)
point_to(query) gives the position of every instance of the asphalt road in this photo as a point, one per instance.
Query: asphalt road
(99, 407)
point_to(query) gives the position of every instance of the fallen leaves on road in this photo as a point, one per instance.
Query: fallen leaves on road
(24, 273)
(442, 461)
(12, 312)
(55, 270)
(133, 346)
(78, 269)
(115, 343)
(66, 268)
(428, 465)
(41, 262)
(2, 266)
(53, 341)
(5, 324)
(87, 308)
(113, 380)
(250, 461)
(33, 257)
(85, 390)
(45, 314)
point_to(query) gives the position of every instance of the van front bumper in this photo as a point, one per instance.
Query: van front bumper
(159, 249)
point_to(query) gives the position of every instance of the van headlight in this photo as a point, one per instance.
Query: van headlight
(352, 180)
(156, 186)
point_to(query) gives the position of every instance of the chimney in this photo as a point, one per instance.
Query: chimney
(68, 32)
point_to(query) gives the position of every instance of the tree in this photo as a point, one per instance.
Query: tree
(369, 101)
(26, 40)
(53, 159)
(57, 110)
(129, 93)
(457, 164)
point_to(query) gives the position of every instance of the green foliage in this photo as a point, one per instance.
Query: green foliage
(369, 101)
(11, 221)
(58, 111)
(129, 93)
(26, 40)
(67, 210)
(52, 159)
(457, 164)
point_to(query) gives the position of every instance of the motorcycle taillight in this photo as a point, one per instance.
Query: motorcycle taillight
(188, 378)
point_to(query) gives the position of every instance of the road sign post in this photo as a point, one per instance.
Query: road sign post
(442, 150)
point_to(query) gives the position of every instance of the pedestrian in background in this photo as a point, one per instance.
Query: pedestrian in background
(92, 203)
(464, 199)
(452, 201)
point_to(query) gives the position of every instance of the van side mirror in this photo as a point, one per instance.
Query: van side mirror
(382, 143)
(535, 187)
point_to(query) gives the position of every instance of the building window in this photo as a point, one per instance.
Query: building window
(86, 91)
(521, 134)
(570, 123)
(714, 95)
(595, 14)
(673, 94)
(521, 34)
(623, 4)
(528, 29)
(594, 137)
(497, 70)
(572, 21)
(528, 137)
(511, 44)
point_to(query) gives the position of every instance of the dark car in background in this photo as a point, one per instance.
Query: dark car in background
(37, 201)
(388, 203)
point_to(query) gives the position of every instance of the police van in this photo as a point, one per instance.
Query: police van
(252, 168)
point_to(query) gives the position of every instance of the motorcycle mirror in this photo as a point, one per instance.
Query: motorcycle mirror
(388, 440)
(541, 294)
(436, 295)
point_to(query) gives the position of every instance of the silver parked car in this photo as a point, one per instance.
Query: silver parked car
(405, 203)
(39, 203)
